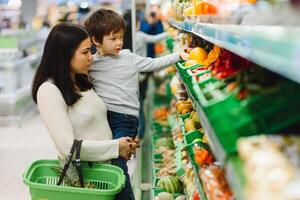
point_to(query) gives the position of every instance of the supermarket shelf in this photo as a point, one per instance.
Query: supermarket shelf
(199, 184)
(273, 47)
(176, 24)
(213, 142)
(235, 177)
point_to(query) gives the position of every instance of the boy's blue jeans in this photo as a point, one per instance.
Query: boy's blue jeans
(123, 125)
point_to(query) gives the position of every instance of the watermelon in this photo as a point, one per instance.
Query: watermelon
(170, 184)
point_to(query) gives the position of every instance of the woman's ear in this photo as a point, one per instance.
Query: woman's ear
(94, 41)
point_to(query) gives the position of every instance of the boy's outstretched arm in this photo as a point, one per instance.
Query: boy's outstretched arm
(154, 38)
(146, 64)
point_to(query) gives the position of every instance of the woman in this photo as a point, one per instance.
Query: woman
(69, 107)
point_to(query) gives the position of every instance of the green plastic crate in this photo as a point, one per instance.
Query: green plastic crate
(181, 119)
(42, 178)
(183, 71)
(179, 169)
(191, 136)
(231, 118)
(201, 82)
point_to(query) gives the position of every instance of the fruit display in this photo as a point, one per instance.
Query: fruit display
(161, 114)
(164, 196)
(215, 185)
(276, 158)
(190, 125)
(198, 54)
(167, 165)
(184, 107)
(227, 64)
(255, 80)
(202, 155)
(201, 8)
(196, 196)
(179, 6)
(212, 56)
(170, 184)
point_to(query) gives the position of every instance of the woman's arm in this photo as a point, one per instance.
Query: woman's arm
(53, 110)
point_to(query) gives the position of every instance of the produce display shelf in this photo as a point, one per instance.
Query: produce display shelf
(276, 48)
(213, 142)
(236, 177)
(199, 184)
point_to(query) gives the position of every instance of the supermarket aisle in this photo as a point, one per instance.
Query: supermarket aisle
(18, 148)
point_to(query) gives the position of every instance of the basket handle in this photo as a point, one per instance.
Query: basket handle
(75, 147)
(78, 164)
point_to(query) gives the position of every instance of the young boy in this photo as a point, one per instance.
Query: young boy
(115, 75)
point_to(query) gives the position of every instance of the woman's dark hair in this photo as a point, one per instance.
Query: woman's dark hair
(61, 44)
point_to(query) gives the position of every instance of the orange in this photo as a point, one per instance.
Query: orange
(198, 54)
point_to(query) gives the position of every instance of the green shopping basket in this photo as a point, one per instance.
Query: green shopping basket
(42, 178)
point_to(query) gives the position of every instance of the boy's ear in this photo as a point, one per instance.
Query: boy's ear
(94, 41)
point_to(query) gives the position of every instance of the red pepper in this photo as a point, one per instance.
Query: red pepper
(196, 196)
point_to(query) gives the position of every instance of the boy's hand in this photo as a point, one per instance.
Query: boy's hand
(184, 56)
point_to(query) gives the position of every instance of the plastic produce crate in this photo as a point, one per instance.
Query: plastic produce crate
(191, 136)
(183, 70)
(179, 169)
(42, 179)
(232, 118)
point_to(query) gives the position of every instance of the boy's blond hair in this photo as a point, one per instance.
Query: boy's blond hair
(102, 22)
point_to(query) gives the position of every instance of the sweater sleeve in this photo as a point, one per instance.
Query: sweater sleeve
(154, 38)
(56, 119)
(147, 64)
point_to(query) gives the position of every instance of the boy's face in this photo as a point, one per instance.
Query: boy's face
(112, 43)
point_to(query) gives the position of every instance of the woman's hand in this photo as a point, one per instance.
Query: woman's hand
(135, 144)
(128, 146)
(125, 147)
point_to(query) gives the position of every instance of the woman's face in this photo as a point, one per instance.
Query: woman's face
(82, 58)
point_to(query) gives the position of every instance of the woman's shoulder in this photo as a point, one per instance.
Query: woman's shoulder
(48, 85)
(48, 88)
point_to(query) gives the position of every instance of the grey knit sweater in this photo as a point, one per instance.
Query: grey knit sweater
(115, 78)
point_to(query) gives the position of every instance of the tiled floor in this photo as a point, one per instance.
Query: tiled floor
(19, 146)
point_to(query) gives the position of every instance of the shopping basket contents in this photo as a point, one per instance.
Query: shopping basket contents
(43, 180)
